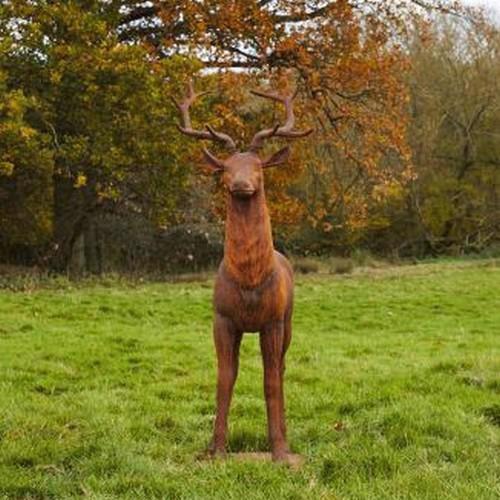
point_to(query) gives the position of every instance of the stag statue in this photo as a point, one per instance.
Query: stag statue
(254, 285)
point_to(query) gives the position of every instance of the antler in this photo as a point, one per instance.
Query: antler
(186, 128)
(284, 131)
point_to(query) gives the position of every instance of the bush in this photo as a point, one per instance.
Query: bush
(363, 258)
(29, 279)
(340, 265)
(305, 265)
(189, 248)
(133, 245)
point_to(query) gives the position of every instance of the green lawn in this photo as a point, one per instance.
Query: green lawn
(393, 390)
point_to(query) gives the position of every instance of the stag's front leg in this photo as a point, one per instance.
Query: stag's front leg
(271, 344)
(227, 344)
(286, 343)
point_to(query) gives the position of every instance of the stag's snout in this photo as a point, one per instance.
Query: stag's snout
(242, 188)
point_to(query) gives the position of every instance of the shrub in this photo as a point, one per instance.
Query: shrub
(340, 265)
(305, 265)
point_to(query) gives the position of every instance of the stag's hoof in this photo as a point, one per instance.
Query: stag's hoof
(281, 455)
(281, 458)
(216, 452)
(292, 460)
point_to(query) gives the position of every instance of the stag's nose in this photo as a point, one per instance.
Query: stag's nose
(242, 188)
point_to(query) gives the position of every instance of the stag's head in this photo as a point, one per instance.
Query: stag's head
(242, 171)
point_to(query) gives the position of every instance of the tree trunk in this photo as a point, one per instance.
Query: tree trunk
(77, 262)
(92, 247)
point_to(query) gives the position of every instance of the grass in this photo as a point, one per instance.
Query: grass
(393, 391)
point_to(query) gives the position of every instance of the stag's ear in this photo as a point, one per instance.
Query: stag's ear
(277, 158)
(212, 161)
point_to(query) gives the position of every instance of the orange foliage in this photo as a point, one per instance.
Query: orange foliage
(351, 78)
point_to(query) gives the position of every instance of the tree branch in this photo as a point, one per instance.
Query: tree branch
(138, 13)
(306, 16)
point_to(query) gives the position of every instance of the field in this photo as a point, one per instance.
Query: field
(393, 390)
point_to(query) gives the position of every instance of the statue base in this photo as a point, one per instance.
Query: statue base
(293, 460)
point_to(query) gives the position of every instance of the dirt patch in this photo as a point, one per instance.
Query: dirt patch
(293, 460)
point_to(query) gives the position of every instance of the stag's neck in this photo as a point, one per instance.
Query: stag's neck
(248, 246)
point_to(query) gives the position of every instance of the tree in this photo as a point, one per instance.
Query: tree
(92, 79)
(26, 168)
(452, 203)
(457, 199)
(105, 106)
(346, 60)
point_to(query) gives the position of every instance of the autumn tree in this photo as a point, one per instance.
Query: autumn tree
(345, 59)
(104, 106)
(86, 87)
(26, 169)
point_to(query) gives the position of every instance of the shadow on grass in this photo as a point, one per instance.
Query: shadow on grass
(247, 441)
(492, 414)
(340, 469)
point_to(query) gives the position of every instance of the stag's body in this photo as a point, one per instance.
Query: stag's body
(253, 309)
(253, 293)
(254, 285)
(254, 282)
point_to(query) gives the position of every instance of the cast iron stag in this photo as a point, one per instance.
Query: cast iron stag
(254, 285)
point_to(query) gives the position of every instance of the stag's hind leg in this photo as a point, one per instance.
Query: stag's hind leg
(227, 344)
(272, 347)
